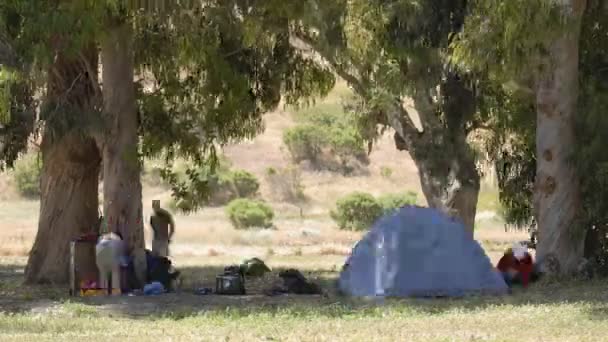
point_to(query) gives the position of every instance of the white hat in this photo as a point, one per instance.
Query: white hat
(519, 251)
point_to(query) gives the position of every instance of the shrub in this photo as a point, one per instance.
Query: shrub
(27, 175)
(229, 185)
(245, 183)
(245, 213)
(357, 211)
(286, 184)
(329, 139)
(346, 143)
(390, 202)
(304, 142)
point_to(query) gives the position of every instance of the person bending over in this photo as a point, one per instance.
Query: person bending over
(109, 254)
(516, 266)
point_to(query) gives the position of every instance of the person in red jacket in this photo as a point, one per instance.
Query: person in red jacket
(516, 266)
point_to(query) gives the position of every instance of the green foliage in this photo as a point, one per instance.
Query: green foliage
(221, 185)
(245, 213)
(245, 183)
(509, 39)
(390, 202)
(26, 175)
(304, 142)
(356, 211)
(326, 138)
(6, 79)
(211, 70)
(218, 71)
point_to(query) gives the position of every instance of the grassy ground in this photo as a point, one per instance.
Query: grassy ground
(572, 311)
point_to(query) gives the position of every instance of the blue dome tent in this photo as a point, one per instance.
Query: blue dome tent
(419, 252)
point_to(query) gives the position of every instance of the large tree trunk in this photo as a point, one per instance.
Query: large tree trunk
(448, 174)
(68, 208)
(446, 163)
(557, 198)
(121, 164)
(69, 180)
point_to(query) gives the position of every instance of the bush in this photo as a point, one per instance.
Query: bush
(357, 211)
(229, 185)
(329, 139)
(245, 213)
(304, 142)
(346, 143)
(390, 202)
(245, 183)
(27, 175)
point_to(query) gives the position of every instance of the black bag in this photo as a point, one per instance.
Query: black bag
(159, 269)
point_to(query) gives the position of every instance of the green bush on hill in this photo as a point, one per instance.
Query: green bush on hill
(232, 184)
(26, 175)
(304, 142)
(359, 210)
(356, 211)
(245, 183)
(246, 213)
(328, 139)
(390, 202)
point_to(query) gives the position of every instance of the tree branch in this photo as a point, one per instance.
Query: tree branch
(326, 54)
(398, 117)
(427, 111)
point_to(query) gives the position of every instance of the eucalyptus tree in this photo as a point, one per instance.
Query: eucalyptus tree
(391, 51)
(174, 83)
(535, 47)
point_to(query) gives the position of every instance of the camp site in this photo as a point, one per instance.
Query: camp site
(307, 170)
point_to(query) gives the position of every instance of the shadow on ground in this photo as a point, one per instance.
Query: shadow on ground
(14, 297)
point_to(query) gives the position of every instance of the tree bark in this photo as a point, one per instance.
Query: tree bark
(69, 179)
(446, 164)
(68, 207)
(557, 196)
(121, 164)
(448, 174)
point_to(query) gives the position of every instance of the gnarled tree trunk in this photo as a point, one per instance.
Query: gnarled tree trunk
(446, 163)
(69, 178)
(557, 198)
(448, 174)
(121, 165)
(68, 208)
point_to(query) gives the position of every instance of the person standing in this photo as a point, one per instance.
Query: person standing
(163, 226)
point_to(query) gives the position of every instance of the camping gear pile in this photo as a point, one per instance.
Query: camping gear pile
(419, 252)
(411, 252)
(253, 277)
(159, 276)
